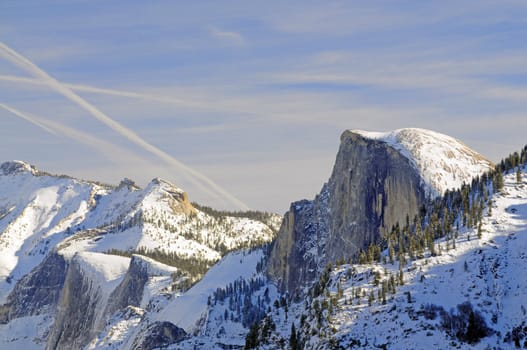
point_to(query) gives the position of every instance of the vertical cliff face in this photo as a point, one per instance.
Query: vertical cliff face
(130, 291)
(372, 187)
(377, 180)
(81, 313)
(77, 309)
(38, 292)
(158, 335)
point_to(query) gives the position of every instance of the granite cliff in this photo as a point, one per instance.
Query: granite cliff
(377, 181)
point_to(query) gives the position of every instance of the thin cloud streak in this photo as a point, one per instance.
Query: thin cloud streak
(111, 92)
(189, 173)
(107, 149)
(28, 118)
(227, 36)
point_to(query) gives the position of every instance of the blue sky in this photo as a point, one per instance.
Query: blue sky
(254, 95)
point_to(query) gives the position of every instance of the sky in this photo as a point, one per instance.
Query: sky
(242, 103)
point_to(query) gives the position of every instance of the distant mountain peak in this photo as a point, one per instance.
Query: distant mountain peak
(164, 185)
(128, 184)
(159, 189)
(16, 166)
(443, 162)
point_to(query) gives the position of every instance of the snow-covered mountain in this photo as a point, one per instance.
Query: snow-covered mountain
(444, 162)
(471, 294)
(90, 266)
(40, 212)
(467, 292)
(79, 238)
(378, 181)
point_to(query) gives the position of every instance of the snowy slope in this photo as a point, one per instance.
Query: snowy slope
(186, 310)
(36, 211)
(443, 161)
(39, 212)
(85, 221)
(189, 310)
(160, 217)
(488, 272)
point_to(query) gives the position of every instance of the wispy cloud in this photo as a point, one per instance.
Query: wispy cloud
(270, 77)
(107, 149)
(229, 37)
(27, 117)
(472, 77)
(113, 92)
(206, 185)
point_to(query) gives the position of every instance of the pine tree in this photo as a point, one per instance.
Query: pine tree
(498, 182)
(391, 253)
(293, 341)
(251, 340)
(377, 278)
(432, 247)
(392, 284)
(518, 176)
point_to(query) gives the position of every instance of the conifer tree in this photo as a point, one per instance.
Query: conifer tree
(498, 181)
(383, 291)
(251, 340)
(293, 341)
(391, 253)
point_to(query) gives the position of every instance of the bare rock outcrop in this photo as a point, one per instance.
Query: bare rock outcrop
(373, 186)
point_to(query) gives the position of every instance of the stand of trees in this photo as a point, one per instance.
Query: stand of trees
(443, 217)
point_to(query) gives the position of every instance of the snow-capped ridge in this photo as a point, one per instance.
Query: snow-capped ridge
(17, 166)
(94, 228)
(129, 184)
(107, 267)
(443, 162)
(163, 185)
(153, 267)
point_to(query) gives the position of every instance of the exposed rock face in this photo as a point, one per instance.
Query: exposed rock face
(76, 315)
(372, 187)
(159, 335)
(15, 167)
(177, 198)
(57, 236)
(130, 291)
(38, 292)
(88, 301)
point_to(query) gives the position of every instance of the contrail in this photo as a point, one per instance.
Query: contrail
(104, 147)
(28, 118)
(112, 92)
(31, 68)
